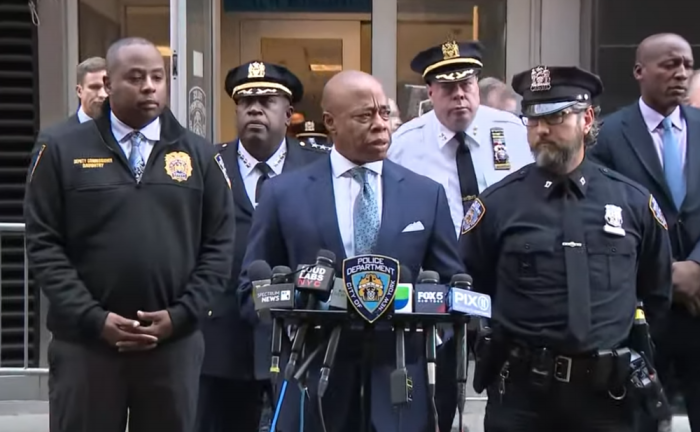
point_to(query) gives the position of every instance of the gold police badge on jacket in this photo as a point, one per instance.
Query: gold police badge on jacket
(178, 166)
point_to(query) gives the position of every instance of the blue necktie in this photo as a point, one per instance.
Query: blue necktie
(366, 215)
(136, 162)
(673, 166)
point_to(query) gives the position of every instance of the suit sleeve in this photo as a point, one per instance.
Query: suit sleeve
(478, 248)
(265, 242)
(443, 253)
(601, 152)
(46, 245)
(654, 283)
(213, 270)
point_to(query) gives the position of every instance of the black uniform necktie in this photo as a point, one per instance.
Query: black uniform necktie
(577, 270)
(265, 169)
(465, 170)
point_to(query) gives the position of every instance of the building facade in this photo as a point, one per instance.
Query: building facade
(202, 39)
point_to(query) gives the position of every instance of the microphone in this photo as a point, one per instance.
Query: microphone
(315, 281)
(260, 275)
(403, 300)
(429, 296)
(328, 360)
(401, 383)
(338, 298)
(463, 300)
(278, 278)
(269, 294)
(461, 282)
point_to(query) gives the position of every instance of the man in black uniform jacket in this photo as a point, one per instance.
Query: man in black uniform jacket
(235, 373)
(130, 233)
(656, 142)
(566, 248)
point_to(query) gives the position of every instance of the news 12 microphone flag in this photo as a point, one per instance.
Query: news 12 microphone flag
(370, 283)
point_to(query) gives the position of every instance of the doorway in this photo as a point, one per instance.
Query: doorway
(313, 50)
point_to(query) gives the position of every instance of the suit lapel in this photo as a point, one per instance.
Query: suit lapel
(321, 199)
(294, 158)
(239, 194)
(692, 158)
(392, 197)
(635, 130)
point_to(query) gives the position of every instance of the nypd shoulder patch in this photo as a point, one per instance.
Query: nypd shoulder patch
(35, 162)
(657, 213)
(474, 215)
(222, 166)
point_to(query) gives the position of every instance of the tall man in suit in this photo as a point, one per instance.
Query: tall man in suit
(656, 142)
(355, 202)
(90, 89)
(236, 365)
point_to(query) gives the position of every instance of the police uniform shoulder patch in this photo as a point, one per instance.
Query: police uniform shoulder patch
(657, 213)
(219, 161)
(35, 162)
(474, 215)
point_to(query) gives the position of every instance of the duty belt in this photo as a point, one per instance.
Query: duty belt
(543, 365)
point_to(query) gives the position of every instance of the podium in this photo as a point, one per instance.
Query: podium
(352, 322)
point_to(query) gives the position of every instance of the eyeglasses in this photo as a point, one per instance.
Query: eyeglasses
(554, 119)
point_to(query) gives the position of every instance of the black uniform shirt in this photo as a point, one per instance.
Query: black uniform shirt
(512, 242)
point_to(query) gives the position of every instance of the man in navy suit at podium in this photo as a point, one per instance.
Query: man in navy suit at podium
(355, 202)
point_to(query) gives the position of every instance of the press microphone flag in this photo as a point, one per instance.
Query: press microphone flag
(463, 300)
(370, 284)
(429, 296)
(403, 301)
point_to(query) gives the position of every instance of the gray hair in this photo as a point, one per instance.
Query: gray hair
(592, 136)
(91, 65)
(489, 85)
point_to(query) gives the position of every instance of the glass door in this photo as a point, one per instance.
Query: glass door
(191, 27)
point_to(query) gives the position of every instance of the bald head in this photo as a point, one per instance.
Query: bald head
(656, 45)
(356, 113)
(343, 85)
(662, 68)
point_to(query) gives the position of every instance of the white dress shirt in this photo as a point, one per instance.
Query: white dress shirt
(121, 134)
(346, 190)
(82, 117)
(250, 175)
(653, 121)
(425, 146)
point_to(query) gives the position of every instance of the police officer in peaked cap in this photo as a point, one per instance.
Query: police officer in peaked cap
(312, 133)
(235, 373)
(466, 147)
(566, 248)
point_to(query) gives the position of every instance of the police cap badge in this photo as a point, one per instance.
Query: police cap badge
(370, 284)
(547, 90)
(449, 62)
(259, 78)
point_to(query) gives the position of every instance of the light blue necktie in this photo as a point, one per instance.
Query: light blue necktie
(673, 166)
(366, 215)
(136, 162)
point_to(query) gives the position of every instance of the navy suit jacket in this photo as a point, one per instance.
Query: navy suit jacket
(233, 349)
(295, 218)
(625, 145)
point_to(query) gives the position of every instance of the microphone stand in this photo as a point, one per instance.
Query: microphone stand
(461, 334)
(431, 360)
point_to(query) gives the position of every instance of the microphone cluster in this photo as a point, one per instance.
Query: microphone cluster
(315, 287)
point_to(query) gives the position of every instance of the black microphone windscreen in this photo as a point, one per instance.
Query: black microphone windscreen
(259, 270)
(428, 276)
(327, 256)
(405, 276)
(461, 278)
(281, 271)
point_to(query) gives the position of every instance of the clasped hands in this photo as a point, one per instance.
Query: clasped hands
(130, 335)
(686, 285)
